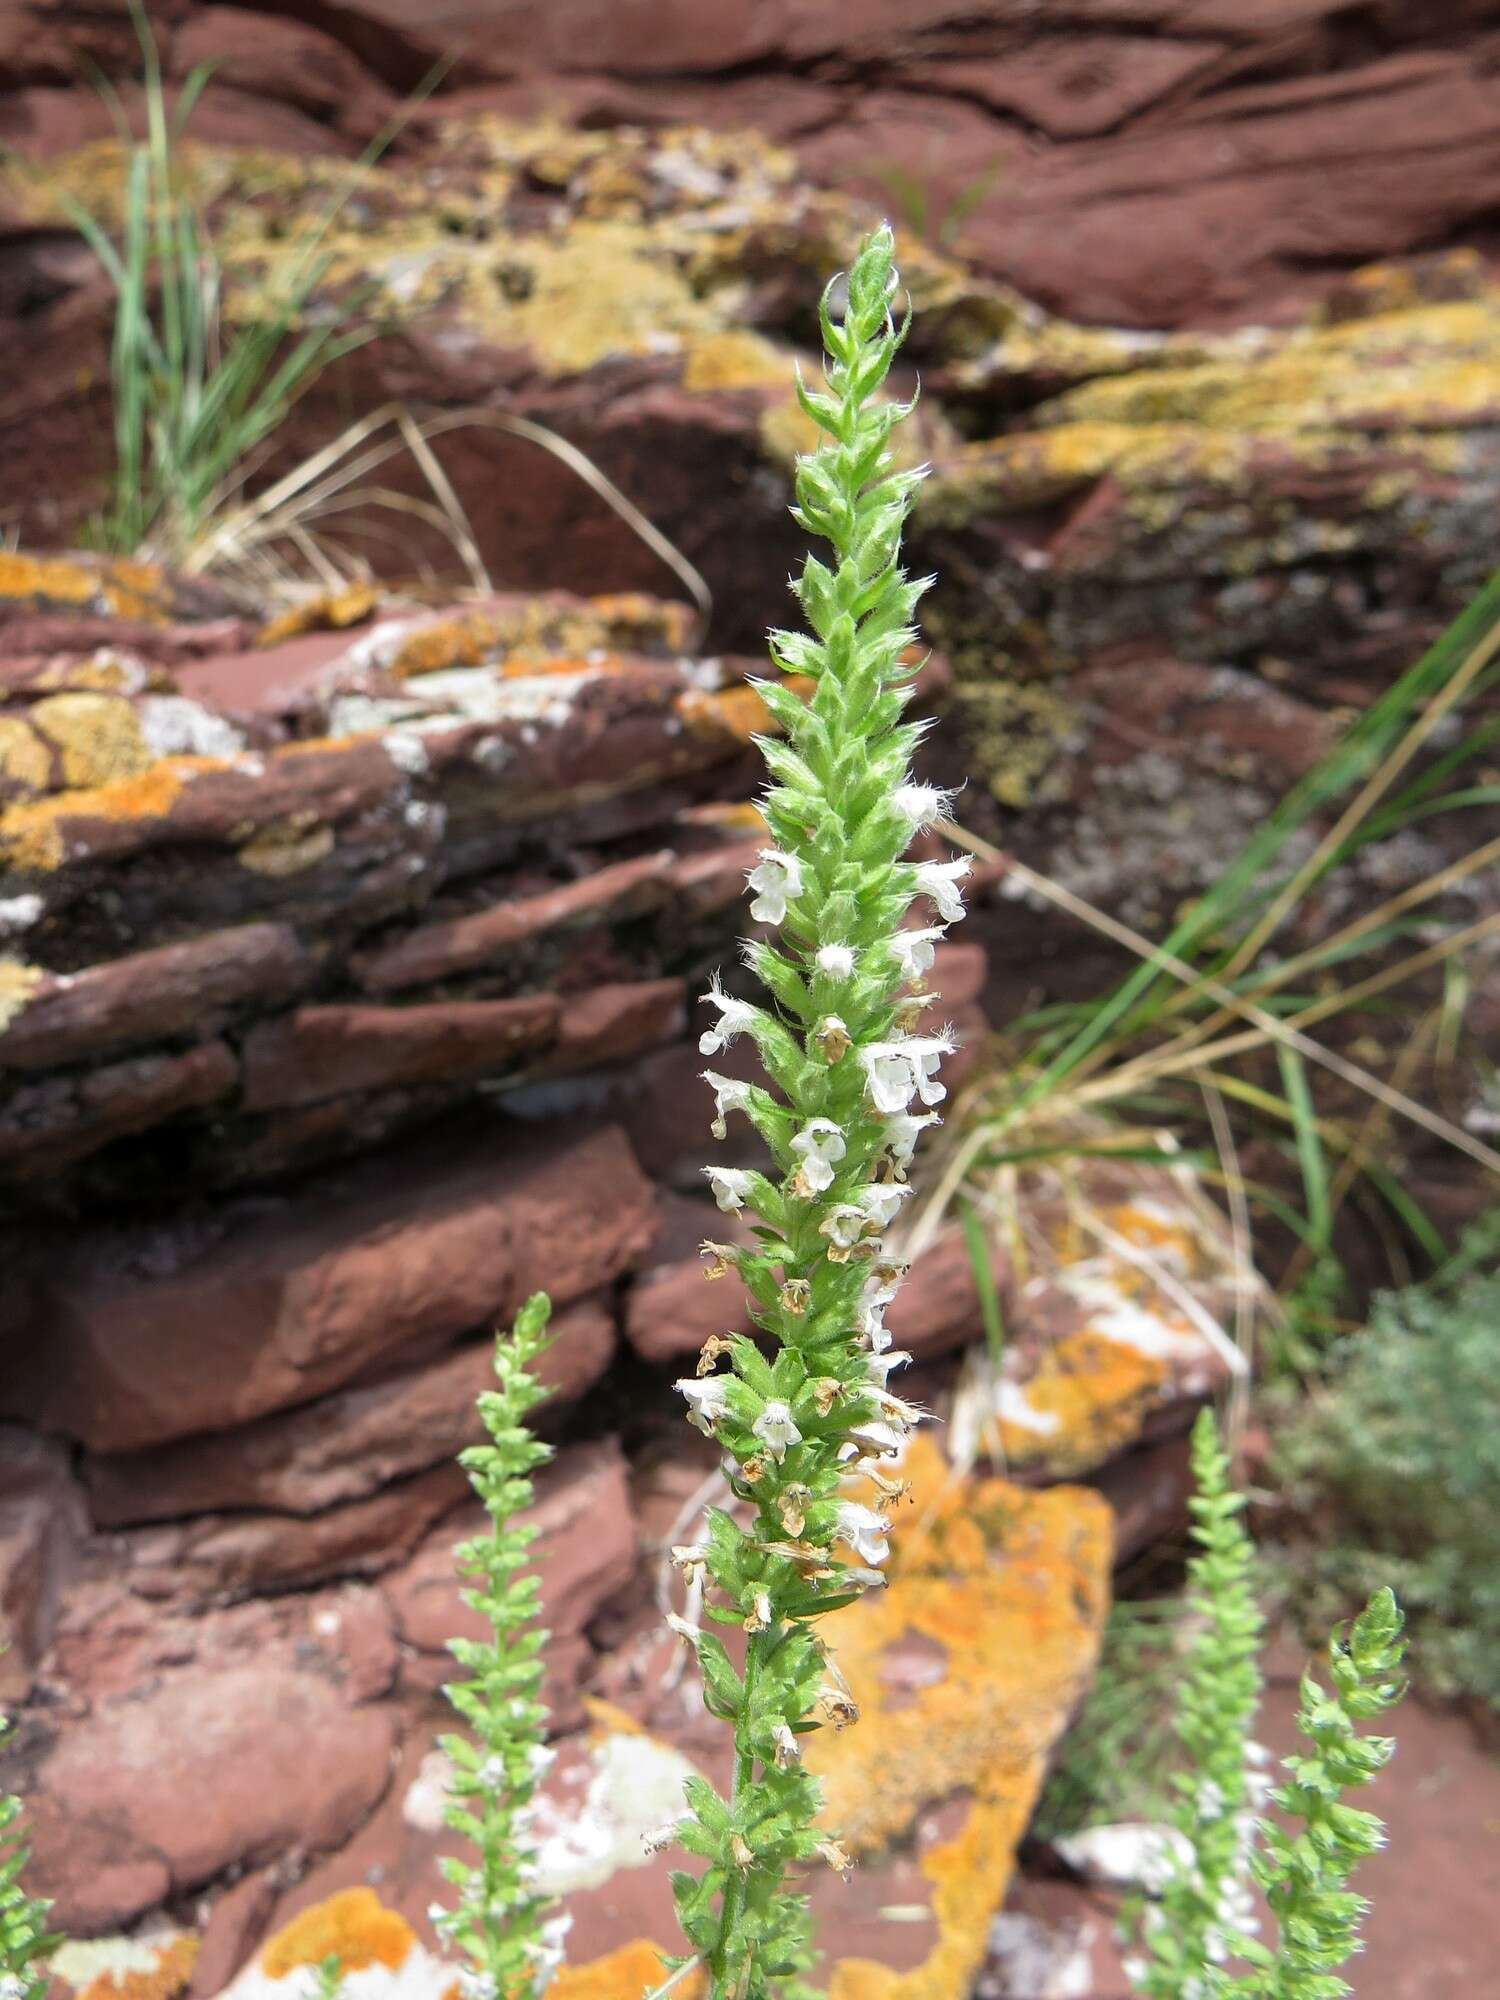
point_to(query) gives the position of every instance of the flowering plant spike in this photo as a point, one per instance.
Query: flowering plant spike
(500, 1922)
(1205, 1913)
(852, 1078)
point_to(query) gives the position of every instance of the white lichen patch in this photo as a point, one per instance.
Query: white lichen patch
(78, 1962)
(630, 1787)
(19, 913)
(478, 695)
(173, 726)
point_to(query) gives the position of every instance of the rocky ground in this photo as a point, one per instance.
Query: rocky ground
(348, 956)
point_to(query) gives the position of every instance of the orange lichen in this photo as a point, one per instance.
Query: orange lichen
(169, 1976)
(1095, 1391)
(353, 1926)
(31, 834)
(1009, 1588)
(329, 611)
(736, 711)
(626, 1974)
(122, 589)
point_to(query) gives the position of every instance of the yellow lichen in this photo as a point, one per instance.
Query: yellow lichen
(329, 611)
(286, 847)
(1009, 1588)
(18, 982)
(353, 1926)
(25, 760)
(98, 735)
(170, 1976)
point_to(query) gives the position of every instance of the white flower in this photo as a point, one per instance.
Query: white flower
(541, 1759)
(881, 1201)
(940, 880)
(882, 1363)
(786, 1751)
(729, 1095)
(730, 1186)
(546, 1951)
(902, 1132)
(736, 1017)
(864, 1530)
(820, 1145)
(777, 881)
(491, 1773)
(921, 804)
(844, 1225)
(776, 1429)
(927, 1052)
(883, 1284)
(882, 1437)
(707, 1401)
(837, 960)
(890, 1075)
(475, 1985)
(872, 1327)
(913, 952)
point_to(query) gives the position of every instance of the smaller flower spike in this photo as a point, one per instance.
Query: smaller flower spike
(510, 1937)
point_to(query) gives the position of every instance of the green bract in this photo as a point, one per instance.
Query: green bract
(852, 1081)
(502, 1925)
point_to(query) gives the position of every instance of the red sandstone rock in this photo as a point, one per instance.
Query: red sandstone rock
(347, 1445)
(42, 1525)
(240, 1747)
(175, 989)
(613, 1021)
(154, 1335)
(216, 1558)
(323, 1052)
(52, 1123)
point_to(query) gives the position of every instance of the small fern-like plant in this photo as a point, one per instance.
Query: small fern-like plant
(1203, 1918)
(26, 1945)
(854, 1086)
(1305, 1873)
(507, 1930)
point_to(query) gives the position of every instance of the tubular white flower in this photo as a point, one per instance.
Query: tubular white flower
(837, 960)
(884, 1361)
(939, 880)
(729, 1095)
(902, 1131)
(730, 1185)
(776, 1429)
(864, 1530)
(736, 1017)
(820, 1145)
(707, 1401)
(921, 805)
(873, 1329)
(881, 1201)
(844, 1225)
(777, 881)
(913, 951)
(890, 1076)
